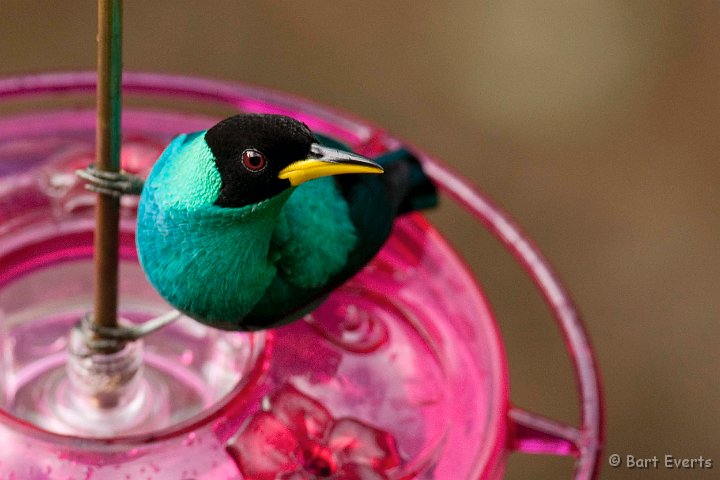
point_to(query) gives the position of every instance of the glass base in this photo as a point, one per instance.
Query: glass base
(143, 388)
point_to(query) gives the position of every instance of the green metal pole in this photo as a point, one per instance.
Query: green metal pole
(107, 213)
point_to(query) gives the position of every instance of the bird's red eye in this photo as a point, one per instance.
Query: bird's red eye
(253, 160)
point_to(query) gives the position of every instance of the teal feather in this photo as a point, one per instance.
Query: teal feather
(315, 211)
(271, 262)
(192, 250)
(373, 203)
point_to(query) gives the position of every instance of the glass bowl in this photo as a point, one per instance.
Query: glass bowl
(400, 374)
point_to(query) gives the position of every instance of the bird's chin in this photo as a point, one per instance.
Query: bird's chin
(256, 203)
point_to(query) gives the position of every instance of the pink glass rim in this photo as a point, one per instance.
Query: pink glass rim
(591, 430)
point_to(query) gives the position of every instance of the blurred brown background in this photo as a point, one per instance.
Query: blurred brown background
(595, 124)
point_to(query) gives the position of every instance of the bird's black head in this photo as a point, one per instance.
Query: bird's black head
(250, 151)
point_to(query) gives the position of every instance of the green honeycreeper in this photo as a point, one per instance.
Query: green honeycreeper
(246, 226)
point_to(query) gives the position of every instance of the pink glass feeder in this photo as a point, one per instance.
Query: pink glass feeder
(391, 378)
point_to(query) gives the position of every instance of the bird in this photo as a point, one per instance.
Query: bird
(251, 224)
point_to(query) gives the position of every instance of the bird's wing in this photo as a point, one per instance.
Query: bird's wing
(367, 207)
(306, 252)
(314, 235)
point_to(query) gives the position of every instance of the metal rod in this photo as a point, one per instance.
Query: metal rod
(107, 213)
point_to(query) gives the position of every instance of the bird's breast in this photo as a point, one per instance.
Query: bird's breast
(210, 262)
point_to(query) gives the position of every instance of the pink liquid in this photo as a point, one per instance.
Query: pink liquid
(400, 374)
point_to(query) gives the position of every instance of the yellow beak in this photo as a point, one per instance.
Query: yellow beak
(326, 161)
